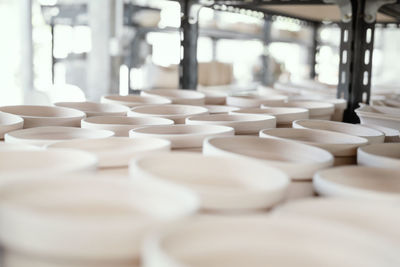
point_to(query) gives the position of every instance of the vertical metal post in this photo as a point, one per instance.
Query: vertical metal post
(188, 68)
(314, 50)
(53, 60)
(26, 46)
(266, 78)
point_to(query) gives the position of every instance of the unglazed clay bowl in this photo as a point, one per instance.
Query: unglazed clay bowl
(9, 122)
(319, 110)
(250, 185)
(116, 151)
(359, 182)
(242, 123)
(135, 100)
(260, 241)
(29, 162)
(255, 101)
(391, 135)
(43, 136)
(183, 136)
(284, 116)
(373, 136)
(11, 147)
(380, 116)
(185, 97)
(220, 109)
(121, 125)
(96, 109)
(86, 217)
(214, 98)
(37, 116)
(177, 113)
(380, 155)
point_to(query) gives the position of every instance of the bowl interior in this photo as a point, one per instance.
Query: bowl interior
(170, 110)
(391, 150)
(93, 107)
(59, 133)
(122, 120)
(182, 129)
(42, 111)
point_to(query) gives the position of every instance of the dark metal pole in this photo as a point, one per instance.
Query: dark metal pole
(266, 72)
(314, 50)
(53, 60)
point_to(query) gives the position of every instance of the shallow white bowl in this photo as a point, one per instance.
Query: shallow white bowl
(220, 109)
(359, 182)
(373, 136)
(186, 97)
(86, 217)
(214, 98)
(116, 151)
(121, 125)
(284, 116)
(319, 110)
(380, 155)
(36, 116)
(10, 147)
(43, 136)
(391, 135)
(177, 113)
(183, 136)
(242, 123)
(135, 100)
(250, 185)
(9, 122)
(255, 101)
(30, 162)
(339, 144)
(380, 116)
(96, 109)
(298, 161)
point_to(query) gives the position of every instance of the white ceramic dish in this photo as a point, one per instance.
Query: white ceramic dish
(220, 109)
(43, 136)
(214, 98)
(86, 217)
(41, 162)
(242, 123)
(185, 97)
(121, 125)
(96, 109)
(380, 155)
(359, 182)
(9, 122)
(37, 116)
(135, 100)
(183, 136)
(373, 136)
(319, 110)
(380, 116)
(116, 151)
(284, 116)
(250, 185)
(255, 101)
(177, 113)
(391, 135)
(11, 147)
(299, 163)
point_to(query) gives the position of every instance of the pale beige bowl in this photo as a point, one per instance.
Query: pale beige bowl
(214, 98)
(373, 136)
(319, 110)
(37, 116)
(43, 136)
(11, 147)
(177, 113)
(242, 123)
(249, 186)
(9, 122)
(183, 136)
(135, 100)
(121, 125)
(186, 97)
(391, 135)
(96, 109)
(380, 116)
(116, 151)
(359, 182)
(220, 109)
(380, 155)
(255, 101)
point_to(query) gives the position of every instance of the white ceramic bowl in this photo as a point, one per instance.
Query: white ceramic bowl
(373, 136)
(255, 101)
(380, 155)
(96, 109)
(220, 109)
(135, 100)
(284, 116)
(9, 122)
(339, 144)
(214, 98)
(182, 136)
(391, 135)
(116, 151)
(11, 147)
(260, 241)
(186, 97)
(43, 136)
(250, 185)
(299, 163)
(36, 116)
(380, 116)
(359, 182)
(319, 110)
(121, 125)
(242, 123)
(86, 217)
(177, 113)
(41, 162)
